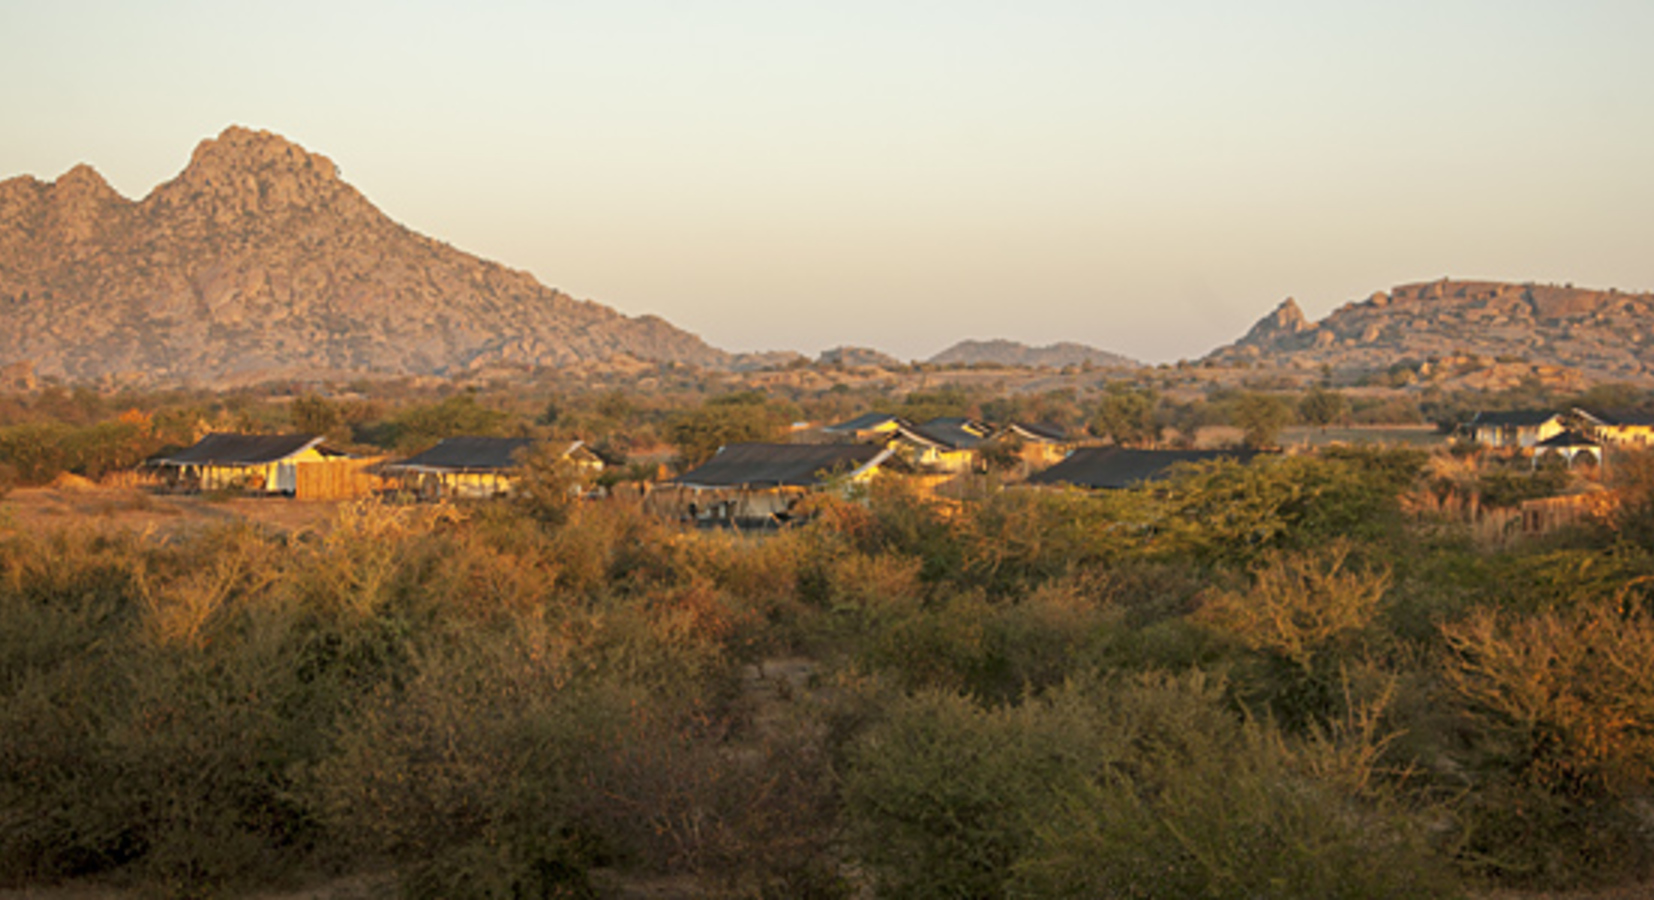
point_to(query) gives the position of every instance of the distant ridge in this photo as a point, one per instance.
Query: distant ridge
(1601, 334)
(257, 259)
(859, 356)
(1012, 353)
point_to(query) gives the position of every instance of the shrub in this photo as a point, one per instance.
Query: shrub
(1134, 788)
(1559, 704)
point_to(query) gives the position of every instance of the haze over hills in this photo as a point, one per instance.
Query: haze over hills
(1601, 334)
(1013, 353)
(258, 260)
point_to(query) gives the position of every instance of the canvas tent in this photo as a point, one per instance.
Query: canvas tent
(260, 463)
(756, 482)
(473, 467)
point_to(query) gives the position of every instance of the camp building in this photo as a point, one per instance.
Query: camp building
(759, 483)
(866, 428)
(1038, 444)
(1522, 428)
(949, 444)
(475, 467)
(258, 463)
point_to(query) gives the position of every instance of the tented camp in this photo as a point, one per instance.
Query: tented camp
(865, 428)
(1568, 446)
(1522, 428)
(257, 463)
(1038, 445)
(1117, 468)
(758, 484)
(942, 445)
(1622, 428)
(475, 467)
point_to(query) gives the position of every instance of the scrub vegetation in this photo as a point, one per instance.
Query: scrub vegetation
(1280, 679)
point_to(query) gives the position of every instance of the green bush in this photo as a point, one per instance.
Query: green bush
(1142, 788)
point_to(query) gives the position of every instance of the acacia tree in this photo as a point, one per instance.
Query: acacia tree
(456, 416)
(747, 416)
(1260, 417)
(1127, 414)
(315, 414)
(1321, 407)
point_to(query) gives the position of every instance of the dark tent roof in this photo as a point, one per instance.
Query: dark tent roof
(1039, 431)
(1569, 438)
(1627, 417)
(470, 454)
(863, 422)
(951, 432)
(771, 465)
(1515, 417)
(1121, 467)
(221, 448)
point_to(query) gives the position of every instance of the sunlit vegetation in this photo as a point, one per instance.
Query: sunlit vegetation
(1302, 677)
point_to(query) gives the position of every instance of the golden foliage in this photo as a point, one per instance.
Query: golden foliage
(1298, 603)
(1569, 692)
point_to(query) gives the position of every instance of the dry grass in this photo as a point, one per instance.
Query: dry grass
(126, 508)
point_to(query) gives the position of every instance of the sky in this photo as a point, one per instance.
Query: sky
(1148, 178)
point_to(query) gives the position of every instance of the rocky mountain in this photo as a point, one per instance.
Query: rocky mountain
(1012, 353)
(1602, 334)
(257, 260)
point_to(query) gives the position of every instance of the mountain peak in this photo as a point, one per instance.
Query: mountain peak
(1285, 320)
(256, 259)
(83, 179)
(243, 171)
(244, 149)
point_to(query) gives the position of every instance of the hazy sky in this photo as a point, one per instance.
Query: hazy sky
(1148, 177)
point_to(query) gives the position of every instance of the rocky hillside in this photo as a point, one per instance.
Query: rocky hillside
(1012, 353)
(1599, 334)
(257, 260)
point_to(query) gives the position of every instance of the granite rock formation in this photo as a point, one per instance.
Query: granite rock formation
(257, 260)
(1601, 334)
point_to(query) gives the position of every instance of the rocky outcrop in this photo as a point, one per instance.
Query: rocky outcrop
(258, 258)
(1012, 353)
(1602, 334)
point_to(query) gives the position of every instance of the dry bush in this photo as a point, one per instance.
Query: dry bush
(220, 568)
(1556, 709)
(1299, 605)
(1566, 696)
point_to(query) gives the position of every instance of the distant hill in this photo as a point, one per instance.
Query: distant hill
(258, 259)
(1602, 334)
(858, 356)
(1012, 353)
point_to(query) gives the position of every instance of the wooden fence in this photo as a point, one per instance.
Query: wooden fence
(337, 479)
